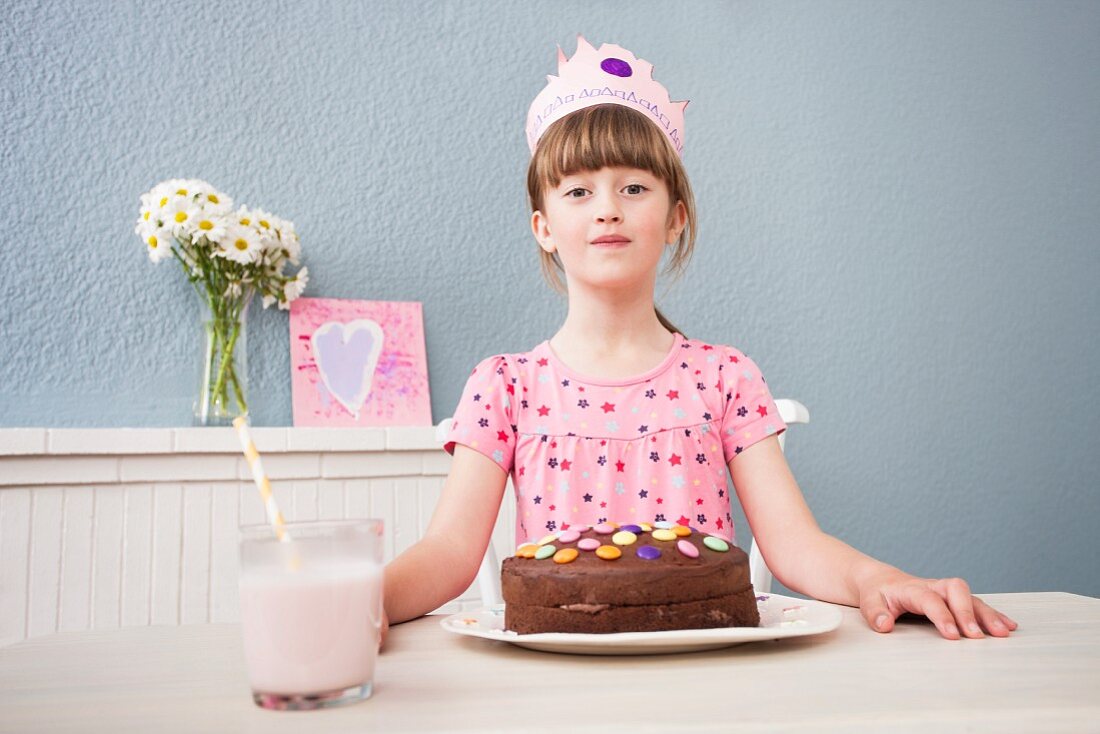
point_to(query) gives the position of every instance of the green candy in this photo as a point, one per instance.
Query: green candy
(545, 551)
(716, 544)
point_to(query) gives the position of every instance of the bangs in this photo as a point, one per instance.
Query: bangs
(601, 136)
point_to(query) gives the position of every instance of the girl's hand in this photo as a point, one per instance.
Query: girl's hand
(946, 602)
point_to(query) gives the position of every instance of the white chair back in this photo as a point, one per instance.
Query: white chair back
(488, 576)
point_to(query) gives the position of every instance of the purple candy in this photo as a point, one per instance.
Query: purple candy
(618, 67)
(649, 553)
(631, 528)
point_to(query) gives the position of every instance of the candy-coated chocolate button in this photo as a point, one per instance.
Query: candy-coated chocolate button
(565, 555)
(687, 548)
(646, 526)
(568, 536)
(664, 524)
(545, 551)
(623, 537)
(649, 553)
(527, 550)
(608, 552)
(588, 544)
(603, 528)
(681, 530)
(664, 534)
(548, 539)
(631, 528)
(716, 544)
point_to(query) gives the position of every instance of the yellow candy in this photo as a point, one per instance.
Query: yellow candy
(548, 539)
(623, 537)
(662, 534)
(608, 552)
(565, 555)
(645, 526)
(681, 531)
(527, 550)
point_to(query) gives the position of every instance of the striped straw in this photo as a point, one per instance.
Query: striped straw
(273, 515)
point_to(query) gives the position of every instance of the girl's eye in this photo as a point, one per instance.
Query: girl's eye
(639, 188)
(573, 191)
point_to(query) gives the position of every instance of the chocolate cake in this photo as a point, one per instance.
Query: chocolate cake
(628, 578)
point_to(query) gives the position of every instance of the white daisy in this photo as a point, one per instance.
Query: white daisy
(293, 288)
(240, 244)
(158, 243)
(263, 222)
(288, 237)
(212, 201)
(242, 216)
(181, 214)
(212, 227)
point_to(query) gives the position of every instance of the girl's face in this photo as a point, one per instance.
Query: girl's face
(627, 205)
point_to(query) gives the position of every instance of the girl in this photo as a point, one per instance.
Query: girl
(619, 416)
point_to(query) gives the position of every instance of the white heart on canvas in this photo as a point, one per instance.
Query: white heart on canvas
(347, 355)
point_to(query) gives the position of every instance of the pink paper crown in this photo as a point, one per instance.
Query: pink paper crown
(610, 75)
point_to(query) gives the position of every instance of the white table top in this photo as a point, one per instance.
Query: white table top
(1044, 677)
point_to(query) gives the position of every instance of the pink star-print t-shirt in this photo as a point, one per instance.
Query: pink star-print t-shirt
(583, 450)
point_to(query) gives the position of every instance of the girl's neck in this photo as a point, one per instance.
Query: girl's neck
(611, 337)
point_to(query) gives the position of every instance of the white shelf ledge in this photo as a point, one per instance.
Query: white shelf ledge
(30, 442)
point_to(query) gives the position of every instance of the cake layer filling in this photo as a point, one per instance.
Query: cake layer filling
(733, 610)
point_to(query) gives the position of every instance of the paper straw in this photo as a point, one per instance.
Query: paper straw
(253, 456)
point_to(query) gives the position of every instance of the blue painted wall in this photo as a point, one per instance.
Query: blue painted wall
(898, 221)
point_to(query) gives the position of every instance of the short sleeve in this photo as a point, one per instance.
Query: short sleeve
(749, 413)
(484, 419)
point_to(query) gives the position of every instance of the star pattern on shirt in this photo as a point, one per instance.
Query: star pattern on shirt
(699, 411)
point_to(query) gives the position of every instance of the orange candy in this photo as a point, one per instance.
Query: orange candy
(527, 550)
(681, 531)
(608, 552)
(566, 555)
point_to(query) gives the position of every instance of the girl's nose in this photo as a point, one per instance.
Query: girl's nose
(608, 211)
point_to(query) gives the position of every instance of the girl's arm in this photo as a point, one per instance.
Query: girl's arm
(811, 562)
(445, 561)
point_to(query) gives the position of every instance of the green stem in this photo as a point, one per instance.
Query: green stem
(241, 405)
(220, 388)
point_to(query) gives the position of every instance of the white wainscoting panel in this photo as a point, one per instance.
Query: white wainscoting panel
(103, 528)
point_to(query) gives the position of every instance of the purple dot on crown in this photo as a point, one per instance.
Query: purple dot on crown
(618, 67)
(649, 553)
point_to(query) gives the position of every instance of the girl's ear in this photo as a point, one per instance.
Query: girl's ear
(542, 232)
(677, 220)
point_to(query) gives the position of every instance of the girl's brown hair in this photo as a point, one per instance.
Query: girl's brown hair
(610, 135)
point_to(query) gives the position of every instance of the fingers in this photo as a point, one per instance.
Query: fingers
(961, 604)
(955, 611)
(947, 603)
(972, 614)
(932, 605)
(995, 623)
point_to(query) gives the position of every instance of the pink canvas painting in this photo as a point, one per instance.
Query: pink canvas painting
(358, 363)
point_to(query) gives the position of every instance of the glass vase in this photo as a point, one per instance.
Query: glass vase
(223, 386)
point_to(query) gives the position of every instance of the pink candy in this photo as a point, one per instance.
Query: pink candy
(604, 529)
(589, 544)
(687, 548)
(569, 536)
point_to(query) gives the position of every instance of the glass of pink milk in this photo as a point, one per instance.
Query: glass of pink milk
(311, 612)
